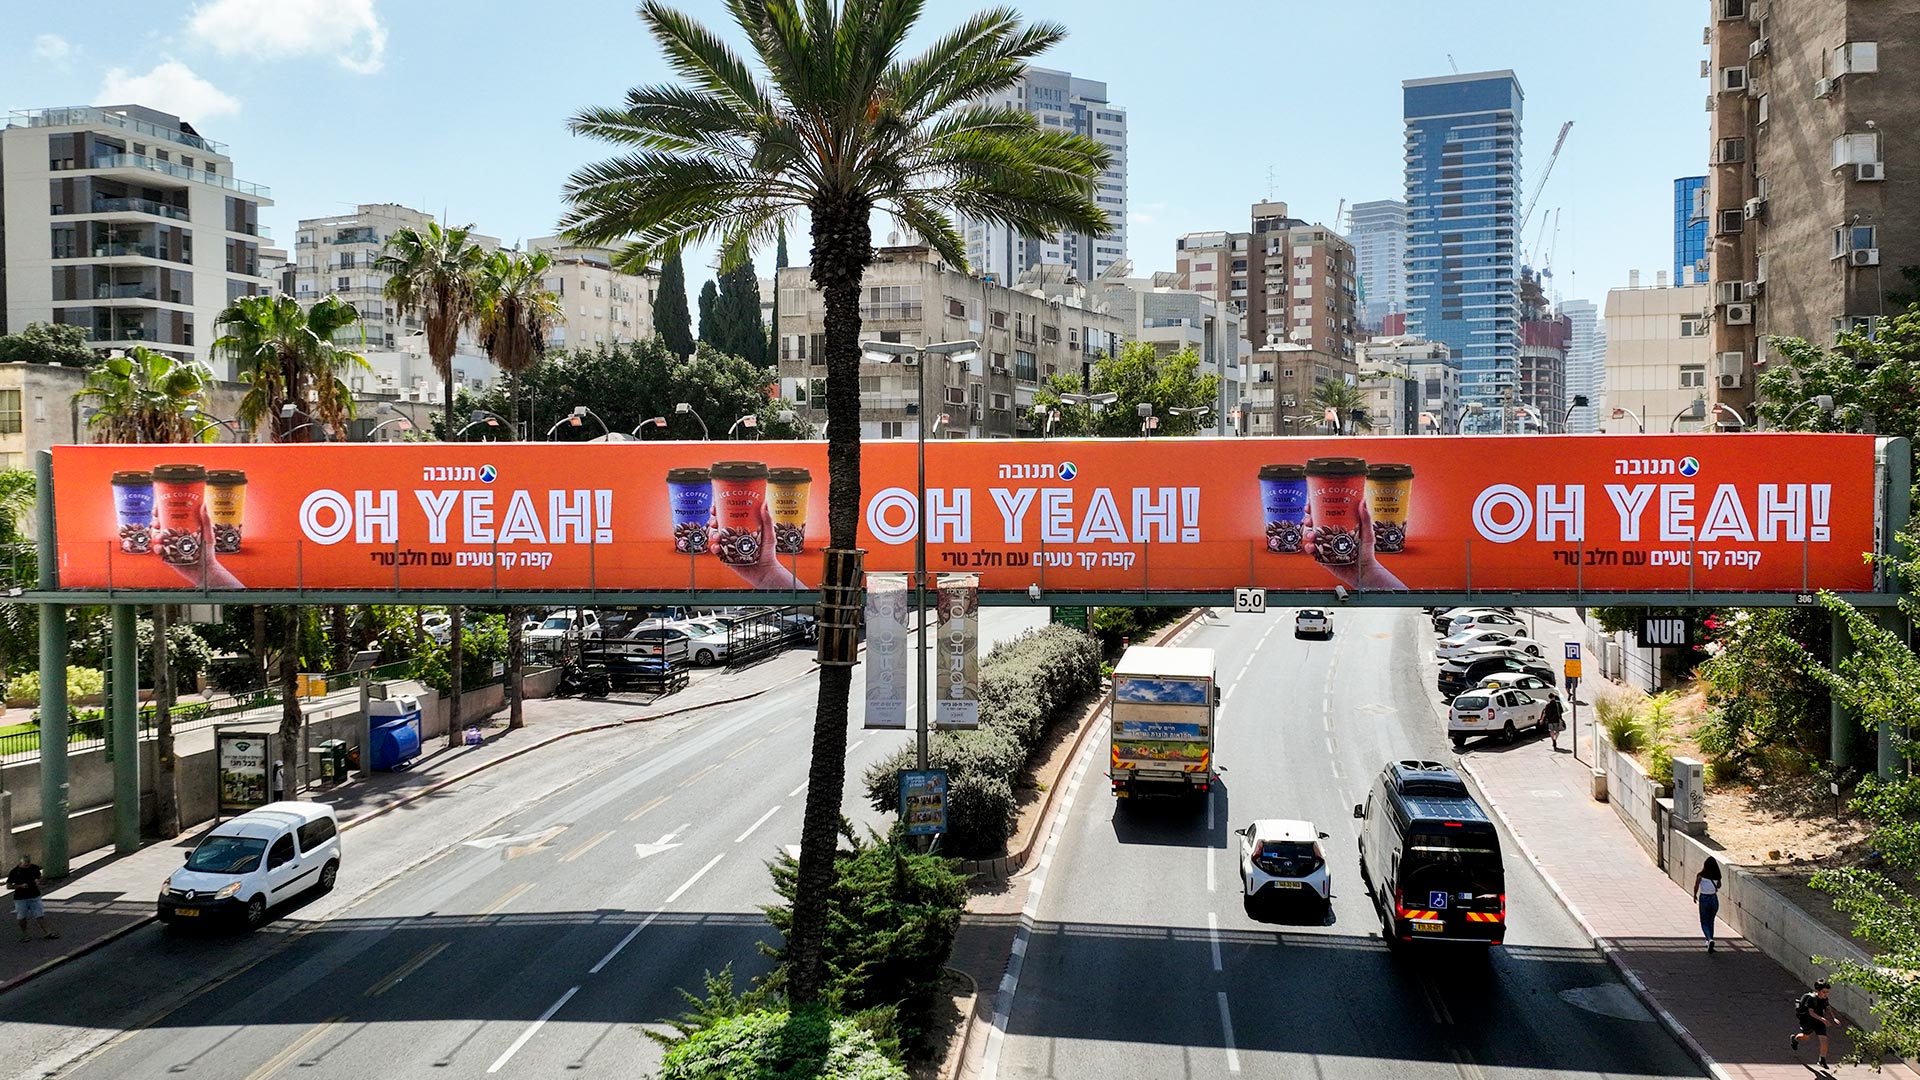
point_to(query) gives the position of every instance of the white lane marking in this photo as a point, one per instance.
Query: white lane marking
(1226, 1029)
(757, 824)
(796, 792)
(1329, 742)
(1209, 812)
(698, 874)
(1209, 869)
(858, 743)
(1326, 722)
(624, 942)
(532, 1030)
(1213, 939)
(665, 843)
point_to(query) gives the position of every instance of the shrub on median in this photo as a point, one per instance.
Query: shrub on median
(1025, 686)
(755, 1036)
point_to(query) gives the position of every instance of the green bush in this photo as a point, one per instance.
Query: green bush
(1656, 730)
(1025, 686)
(775, 1044)
(82, 682)
(892, 916)
(1620, 718)
(1114, 624)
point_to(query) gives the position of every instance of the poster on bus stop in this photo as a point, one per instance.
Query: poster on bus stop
(1758, 512)
(957, 656)
(241, 759)
(888, 678)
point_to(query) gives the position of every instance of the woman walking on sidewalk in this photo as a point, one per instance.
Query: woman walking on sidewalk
(1556, 720)
(1706, 890)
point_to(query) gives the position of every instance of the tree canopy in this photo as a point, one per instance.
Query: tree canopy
(671, 322)
(1136, 374)
(47, 343)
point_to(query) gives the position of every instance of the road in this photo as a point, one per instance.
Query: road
(1142, 963)
(538, 945)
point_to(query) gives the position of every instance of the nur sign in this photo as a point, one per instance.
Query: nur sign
(1666, 631)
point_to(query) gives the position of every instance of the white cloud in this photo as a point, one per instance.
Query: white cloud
(171, 87)
(52, 47)
(1138, 218)
(348, 30)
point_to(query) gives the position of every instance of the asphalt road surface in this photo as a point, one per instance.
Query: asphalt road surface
(539, 945)
(1142, 963)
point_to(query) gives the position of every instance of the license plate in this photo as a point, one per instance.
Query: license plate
(1469, 719)
(187, 912)
(1426, 926)
(1286, 885)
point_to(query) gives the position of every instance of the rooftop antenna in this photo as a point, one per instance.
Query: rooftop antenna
(1271, 177)
(1451, 64)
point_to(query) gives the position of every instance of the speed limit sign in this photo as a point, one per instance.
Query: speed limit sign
(1250, 600)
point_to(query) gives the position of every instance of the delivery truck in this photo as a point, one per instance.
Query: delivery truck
(1162, 714)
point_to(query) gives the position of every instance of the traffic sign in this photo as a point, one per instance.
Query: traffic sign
(1572, 669)
(1573, 650)
(1250, 600)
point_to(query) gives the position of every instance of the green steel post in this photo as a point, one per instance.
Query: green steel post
(54, 794)
(125, 737)
(1842, 726)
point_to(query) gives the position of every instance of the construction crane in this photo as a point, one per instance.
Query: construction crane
(1527, 215)
(1339, 211)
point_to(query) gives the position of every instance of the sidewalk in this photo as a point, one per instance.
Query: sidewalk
(1732, 1009)
(106, 896)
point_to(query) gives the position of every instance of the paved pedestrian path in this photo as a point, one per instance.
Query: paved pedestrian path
(1733, 1007)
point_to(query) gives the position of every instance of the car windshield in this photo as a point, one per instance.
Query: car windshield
(227, 855)
(1286, 849)
(1470, 701)
(702, 629)
(558, 622)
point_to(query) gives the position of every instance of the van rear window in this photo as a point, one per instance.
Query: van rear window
(1456, 846)
(1470, 701)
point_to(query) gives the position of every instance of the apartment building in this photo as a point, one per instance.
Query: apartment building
(599, 305)
(912, 296)
(1293, 281)
(1063, 103)
(1586, 364)
(335, 256)
(1173, 319)
(1690, 230)
(126, 221)
(1659, 345)
(1378, 231)
(1539, 400)
(1463, 184)
(1812, 167)
(38, 410)
(1412, 385)
(1281, 382)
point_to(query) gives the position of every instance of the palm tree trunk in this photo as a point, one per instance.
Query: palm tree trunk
(166, 795)
(516, 664)
(260, 643)
(842, 249)
(291, 718)
(455, 655)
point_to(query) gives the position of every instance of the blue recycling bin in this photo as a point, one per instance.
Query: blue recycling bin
(395, 724)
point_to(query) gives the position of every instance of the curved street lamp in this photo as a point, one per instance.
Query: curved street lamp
(655, 421)
(572, 419)
(1824, 402)
(751, 422)
(482, 417)
(1695, 410)
(1621, 414)
(686, 409)
(1739, 422)
(1198, 410)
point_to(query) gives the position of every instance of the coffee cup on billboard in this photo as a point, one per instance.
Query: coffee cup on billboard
(226, 504)
(133, 510)
(1390, 500)
(1283, 498)
(690, 497)
(1335, 487)
(740, 497)
(179, 495)
(787, 490)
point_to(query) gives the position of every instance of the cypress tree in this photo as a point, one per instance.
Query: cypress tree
(713, 330)
(773, 332)
(670, 319)
(737, 315)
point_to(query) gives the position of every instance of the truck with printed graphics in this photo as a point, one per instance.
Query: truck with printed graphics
(1162, 714)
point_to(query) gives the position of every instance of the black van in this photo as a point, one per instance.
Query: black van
(1430, 857)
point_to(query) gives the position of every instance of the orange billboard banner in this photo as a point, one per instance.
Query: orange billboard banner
(1604, 513)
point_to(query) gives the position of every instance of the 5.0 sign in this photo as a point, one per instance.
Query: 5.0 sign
(1254, 600)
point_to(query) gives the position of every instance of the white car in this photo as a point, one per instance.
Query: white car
(1442, 619)
(438, 627)
(1481, 638)
(709, 641)
(1533, 686)
(1483, 620)
(1282, 858)
(1494, 712)
(244, 867)
(567, 623)
(1312, 621)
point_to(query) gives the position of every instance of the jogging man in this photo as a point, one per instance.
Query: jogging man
(1815, 1013)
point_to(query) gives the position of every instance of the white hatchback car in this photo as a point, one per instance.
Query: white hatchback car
(245, 866)
(1312, 621)
(1283, 858)
(1494, 711)
(1481, 637)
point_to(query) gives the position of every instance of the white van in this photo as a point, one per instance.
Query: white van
(244, 867)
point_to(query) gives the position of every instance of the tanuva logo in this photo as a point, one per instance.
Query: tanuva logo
(1068, 470)
(1689, 466)
(488, 473)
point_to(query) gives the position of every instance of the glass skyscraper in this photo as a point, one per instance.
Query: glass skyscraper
(1689, 229)
(1463, 182)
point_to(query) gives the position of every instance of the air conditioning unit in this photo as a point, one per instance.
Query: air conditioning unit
(1739, 314)
(999, 369)
(1726, 292)
(1706, 69)
(978, 411)
(1864, 257)
(1729, 382)
(1729, 368)
(1870, 171)
(1753, 290)
(1754, 208)
(1757, 50)
(1823, 88)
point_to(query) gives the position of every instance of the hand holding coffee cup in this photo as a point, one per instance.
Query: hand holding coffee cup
(763, 570)
(208, 571)
(1361, 572)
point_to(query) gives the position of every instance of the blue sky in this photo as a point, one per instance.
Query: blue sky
(461, 108)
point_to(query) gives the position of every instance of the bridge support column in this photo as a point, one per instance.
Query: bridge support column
(123, 741)
(54, 794)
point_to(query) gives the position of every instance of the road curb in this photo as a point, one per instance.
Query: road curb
(102, 940)
(1604, 946)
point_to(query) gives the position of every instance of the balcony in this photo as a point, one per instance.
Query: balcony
(144, 251)
(85, 117)
(139, 206)
(126, 292)
(178, 172)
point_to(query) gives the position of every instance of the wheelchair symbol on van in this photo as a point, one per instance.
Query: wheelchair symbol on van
(1437, 900)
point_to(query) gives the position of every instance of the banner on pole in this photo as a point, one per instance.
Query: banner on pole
(923, 801)
(958, 653)
(887, 677)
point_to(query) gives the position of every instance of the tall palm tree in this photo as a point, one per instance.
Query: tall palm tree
(516, 311)
(1348, 402)
(149, 397)
(436, 275)
(286, 355)
(834, 122)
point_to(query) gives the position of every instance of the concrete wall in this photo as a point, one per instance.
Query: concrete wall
(1632, 793)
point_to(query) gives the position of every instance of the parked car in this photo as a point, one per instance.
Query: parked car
(1312, 621)
(1281, 859)
(1494, 712)
(1472, 668)
(1529, 684)
(1444, 617)
(244, 866)
(1490, 619)
(1472, 639)
(799, 624)
(575, 624)
(438, 626)
(708, 641)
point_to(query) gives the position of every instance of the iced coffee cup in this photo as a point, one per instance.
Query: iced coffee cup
(226, 503)
(1389, 499)
(1335, 486)
(739, 496)
(690, 497)
(1283, 496)
(133, 509)
(179, 492)
(787, 491)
